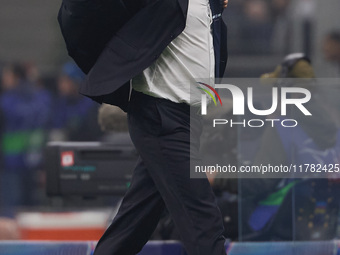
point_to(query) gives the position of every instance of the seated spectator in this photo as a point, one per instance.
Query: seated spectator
(316, 140)
(74, 116)
(256, 28)
(331, 48)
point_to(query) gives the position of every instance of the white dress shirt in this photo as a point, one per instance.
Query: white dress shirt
(188, 59)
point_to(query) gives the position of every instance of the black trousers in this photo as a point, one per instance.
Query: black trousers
(160, 130)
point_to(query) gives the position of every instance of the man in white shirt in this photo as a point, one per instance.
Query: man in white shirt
(161, 128)
(188, 59)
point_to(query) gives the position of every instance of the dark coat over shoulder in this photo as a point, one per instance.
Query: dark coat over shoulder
(135, 41)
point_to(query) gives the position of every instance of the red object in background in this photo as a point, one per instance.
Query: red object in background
(81, 234)
(67, 158)
(71, 226)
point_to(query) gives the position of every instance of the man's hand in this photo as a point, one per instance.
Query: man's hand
(225, 3)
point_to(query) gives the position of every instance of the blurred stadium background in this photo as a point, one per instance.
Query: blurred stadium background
(33, 56)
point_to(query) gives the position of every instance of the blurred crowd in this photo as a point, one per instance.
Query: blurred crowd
(33, 112)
